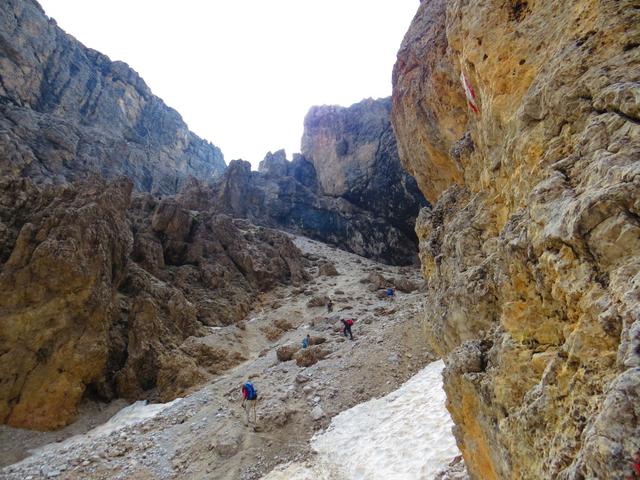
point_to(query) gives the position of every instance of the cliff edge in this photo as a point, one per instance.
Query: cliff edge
(521, 122)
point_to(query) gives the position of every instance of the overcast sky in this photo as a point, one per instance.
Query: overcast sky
(243, 73)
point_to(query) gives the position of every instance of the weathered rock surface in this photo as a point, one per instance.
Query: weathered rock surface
(57, 296)
(107, 296)
(328, 270)
(67, 112)
(354, 152)
(532, 252)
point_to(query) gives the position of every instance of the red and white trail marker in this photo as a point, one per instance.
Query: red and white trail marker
(468, 91)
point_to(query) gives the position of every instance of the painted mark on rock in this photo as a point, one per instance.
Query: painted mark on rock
(468, 91)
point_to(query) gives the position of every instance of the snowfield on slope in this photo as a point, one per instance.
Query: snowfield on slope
(404, 435)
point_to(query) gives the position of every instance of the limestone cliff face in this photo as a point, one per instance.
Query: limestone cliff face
(353, 150)
(285, 195)
(107, 295)
(522, 121)
(67, 112)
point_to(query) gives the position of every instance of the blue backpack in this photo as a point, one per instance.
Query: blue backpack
(252, 394)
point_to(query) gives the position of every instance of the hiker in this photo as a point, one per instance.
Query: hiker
(391, 293)
(347, 327)
(330, 306)
(307, 341)
(249, 400)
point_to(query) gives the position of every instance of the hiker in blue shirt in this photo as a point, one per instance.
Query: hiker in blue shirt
(307, 341)
(391, 293)
(249, 401)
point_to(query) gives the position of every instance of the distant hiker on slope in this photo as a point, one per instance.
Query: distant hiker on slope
(347, 327)
(307, 341)
(330, 306)
(391, 293)
(249, 400)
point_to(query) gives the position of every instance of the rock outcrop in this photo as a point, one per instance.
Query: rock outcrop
(68, 112)
(355, 156)
(522, 121)
(105, 295)
(281, 195)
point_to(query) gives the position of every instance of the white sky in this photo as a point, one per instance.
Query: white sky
(243, 73)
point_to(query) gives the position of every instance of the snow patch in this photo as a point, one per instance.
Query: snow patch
(406, 434)
(134, 414)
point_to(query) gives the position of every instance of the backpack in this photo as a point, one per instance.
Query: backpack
(350, 322)
(252, 393)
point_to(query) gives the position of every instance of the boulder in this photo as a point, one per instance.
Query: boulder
(318, 301)
(328, 270)
(309, 356)
(377, 279)
(317, 413)
(286, 352)
(404, 285)
(272, 332)
(283, 324)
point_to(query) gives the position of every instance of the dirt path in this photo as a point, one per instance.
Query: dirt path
(204, 434)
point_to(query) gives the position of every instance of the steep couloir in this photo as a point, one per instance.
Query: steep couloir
(521, 122)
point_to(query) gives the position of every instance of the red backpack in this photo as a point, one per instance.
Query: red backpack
(350, 322)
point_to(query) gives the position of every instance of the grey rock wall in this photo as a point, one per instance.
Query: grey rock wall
(286, 196)
(354, 152)
(68, 112)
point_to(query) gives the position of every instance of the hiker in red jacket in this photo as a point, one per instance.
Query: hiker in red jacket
(347, 327)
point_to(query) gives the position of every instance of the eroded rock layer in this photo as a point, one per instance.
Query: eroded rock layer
(521, 119)
(107, 295)
(67, 112)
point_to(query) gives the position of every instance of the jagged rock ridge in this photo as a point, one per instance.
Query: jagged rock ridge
(67, 111)
(105, 295)
(522, 120)
(283, 196)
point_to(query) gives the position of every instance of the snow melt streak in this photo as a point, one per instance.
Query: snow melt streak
(405, 435)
